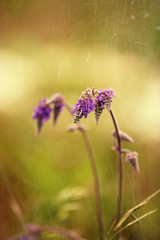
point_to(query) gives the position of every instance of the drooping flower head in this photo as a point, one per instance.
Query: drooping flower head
(132, 157)
(41, 113)
(93, 101)
(103, 100)
(84, 106)
(44, 108)
(58, 102)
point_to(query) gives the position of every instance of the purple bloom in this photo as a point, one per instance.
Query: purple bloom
(83, 108)
(42, 111)
(41, 114)
(92, 100)
(58, 103)
(104, 98)
(58, 107)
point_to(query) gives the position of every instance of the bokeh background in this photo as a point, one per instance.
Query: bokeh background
(50, 46)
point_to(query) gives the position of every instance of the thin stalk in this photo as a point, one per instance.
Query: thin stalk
(96, 186)
(120, 173)
(95, 178)
(137, 220)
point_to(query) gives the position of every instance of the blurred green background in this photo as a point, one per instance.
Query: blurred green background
(50, 46)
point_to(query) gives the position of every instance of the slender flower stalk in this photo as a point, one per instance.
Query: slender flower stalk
(95, 177)
(119, 199)
(96, 186)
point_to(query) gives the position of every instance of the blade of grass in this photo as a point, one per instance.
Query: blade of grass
(135, 221)
(135, 208)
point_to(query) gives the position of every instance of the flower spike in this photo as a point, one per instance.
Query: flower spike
(41, 114)
(84, 106)
(44, 108)
(58, 102)
(132, 157)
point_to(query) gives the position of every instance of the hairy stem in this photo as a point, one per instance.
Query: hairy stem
(96, 186)
(120, 173)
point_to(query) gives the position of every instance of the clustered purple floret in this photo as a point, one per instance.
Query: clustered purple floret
(93, 101)
(42, 111)
(104, 99)
(44, 108)
(83, 108)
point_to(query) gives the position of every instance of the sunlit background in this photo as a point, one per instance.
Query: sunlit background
(50, 46)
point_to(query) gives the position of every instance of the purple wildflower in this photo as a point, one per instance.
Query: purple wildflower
(41, 113)
(103, 100)
(84, 106)
(58, 101)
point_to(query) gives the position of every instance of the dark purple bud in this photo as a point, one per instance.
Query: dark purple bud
(132, 157)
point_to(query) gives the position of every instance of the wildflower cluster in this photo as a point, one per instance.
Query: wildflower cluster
(92, 101)
(44, 108)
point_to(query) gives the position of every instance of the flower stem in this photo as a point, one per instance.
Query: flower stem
(120, 173)
(96, 186)
(95, 177)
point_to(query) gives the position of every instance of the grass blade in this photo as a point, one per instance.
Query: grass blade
(135, 208)
(135, 221)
